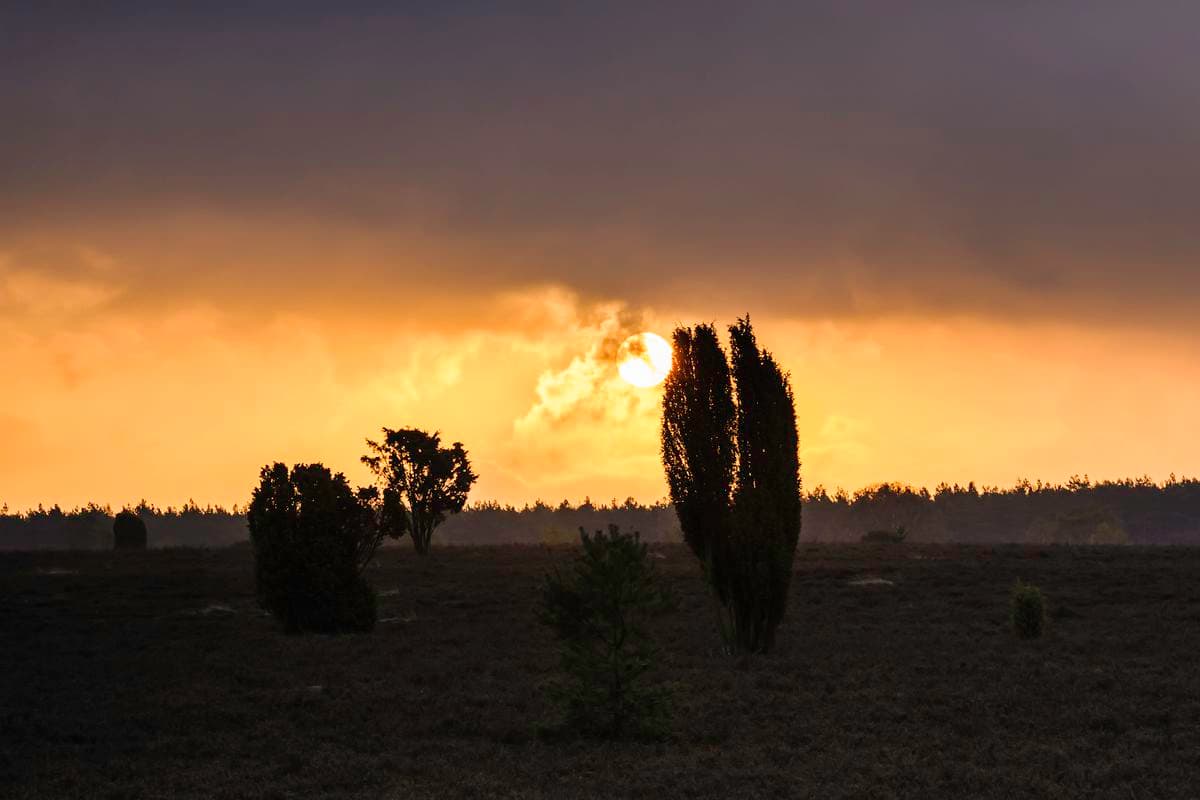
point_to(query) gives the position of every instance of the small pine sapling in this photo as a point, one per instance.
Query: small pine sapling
(598, 611)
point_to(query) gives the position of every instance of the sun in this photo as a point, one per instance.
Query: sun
(644, 359)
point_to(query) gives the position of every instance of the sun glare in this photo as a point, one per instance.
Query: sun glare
(644, 359)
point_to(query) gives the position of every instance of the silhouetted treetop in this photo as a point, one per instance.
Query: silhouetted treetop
(418, 482)
(699, 423)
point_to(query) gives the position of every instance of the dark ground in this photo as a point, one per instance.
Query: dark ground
(154, 675)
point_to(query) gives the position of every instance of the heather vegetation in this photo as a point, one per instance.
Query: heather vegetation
(156, 674)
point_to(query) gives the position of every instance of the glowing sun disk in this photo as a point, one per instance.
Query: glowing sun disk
(644, 359)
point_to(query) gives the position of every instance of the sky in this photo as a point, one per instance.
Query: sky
(238, 233)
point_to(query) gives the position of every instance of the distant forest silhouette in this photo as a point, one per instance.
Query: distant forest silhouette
(1130, 511)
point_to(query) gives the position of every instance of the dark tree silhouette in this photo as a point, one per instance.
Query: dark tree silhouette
(733, 471)
(766, 502)
(419, 483)
(698, 446)
(129, 532)
(312, 537)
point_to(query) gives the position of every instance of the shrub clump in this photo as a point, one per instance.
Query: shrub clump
(129, 532)
(312, 537)
(1028, 611)
(896, 536)
(598, 611)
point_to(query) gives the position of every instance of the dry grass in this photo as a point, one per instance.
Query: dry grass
(154, 675)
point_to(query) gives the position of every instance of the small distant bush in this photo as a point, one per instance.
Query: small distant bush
(1028, 611)
(312, 537)
(129, 532)
(598, 611)
(892, 537)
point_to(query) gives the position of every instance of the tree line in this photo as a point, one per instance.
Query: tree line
(1148, 512)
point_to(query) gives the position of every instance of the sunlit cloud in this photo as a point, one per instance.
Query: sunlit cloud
(588, 431)
(28, 291)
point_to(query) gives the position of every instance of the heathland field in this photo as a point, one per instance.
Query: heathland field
(154, 674)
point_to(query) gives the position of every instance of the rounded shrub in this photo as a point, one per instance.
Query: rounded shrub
(129, 532)
(1028, 611)
(312, 537)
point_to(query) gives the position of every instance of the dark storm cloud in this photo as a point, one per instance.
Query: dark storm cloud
(842, 156)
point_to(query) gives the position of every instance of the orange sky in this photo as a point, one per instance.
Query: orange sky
(111, 404)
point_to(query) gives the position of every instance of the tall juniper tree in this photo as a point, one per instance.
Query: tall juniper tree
(730, 450)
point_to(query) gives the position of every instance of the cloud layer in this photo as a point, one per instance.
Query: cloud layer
(1000, 159)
